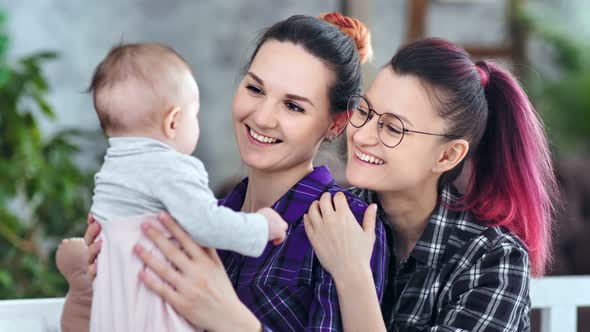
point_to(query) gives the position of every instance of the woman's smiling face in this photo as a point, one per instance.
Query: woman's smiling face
(281, 110)
(413, 162)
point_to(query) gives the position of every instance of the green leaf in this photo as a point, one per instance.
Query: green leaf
(4, 42)
(41, 172)
(5, 75)
(5, 279)
(38, 57)
(44, 105)
(44, 55)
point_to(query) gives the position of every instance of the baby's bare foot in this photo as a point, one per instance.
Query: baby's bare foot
(71, 259)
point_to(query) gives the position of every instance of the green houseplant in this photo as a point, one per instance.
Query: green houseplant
(563, 94)
(44, 195)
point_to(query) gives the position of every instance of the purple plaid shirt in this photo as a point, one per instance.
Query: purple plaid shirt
(286, 287)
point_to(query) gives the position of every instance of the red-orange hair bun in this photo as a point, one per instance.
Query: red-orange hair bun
(355, 29)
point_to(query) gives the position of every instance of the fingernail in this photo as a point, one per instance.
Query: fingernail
(137, 249)
(145, 226)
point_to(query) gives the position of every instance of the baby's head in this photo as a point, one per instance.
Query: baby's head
(147, 90)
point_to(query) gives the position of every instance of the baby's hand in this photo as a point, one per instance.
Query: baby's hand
(277, 227)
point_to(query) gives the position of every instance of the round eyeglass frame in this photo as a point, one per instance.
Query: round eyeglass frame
(380, 124)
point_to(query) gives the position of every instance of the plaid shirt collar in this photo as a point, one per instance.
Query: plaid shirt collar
(286, 287)
(431, 246)
(462, 275)
(307, 190)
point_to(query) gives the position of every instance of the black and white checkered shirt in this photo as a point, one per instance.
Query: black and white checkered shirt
(461, 276)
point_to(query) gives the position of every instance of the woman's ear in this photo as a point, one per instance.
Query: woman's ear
(171, 119)
(339, 122)
(451, 155)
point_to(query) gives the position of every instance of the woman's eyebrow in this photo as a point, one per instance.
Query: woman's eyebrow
(289, 95)
(300, 98)
(404, 119)
(255, 77)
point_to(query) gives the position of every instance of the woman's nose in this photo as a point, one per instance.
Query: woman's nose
(367, 134)
(265, 115)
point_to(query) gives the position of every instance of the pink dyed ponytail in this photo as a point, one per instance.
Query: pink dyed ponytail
(514, 185)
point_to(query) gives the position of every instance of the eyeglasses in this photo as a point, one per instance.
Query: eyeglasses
(390, 128)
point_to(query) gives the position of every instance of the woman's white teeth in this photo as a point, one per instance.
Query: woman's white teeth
(368, 159)
(262, 138)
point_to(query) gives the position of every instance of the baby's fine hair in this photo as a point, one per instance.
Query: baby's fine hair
(131, 80)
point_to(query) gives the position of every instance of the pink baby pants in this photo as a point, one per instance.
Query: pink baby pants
(121, 302)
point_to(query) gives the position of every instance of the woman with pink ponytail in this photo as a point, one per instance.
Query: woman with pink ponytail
(459, 261)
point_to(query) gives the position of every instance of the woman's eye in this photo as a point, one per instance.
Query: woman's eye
(294, 107)
(254, 89)
(393, 129)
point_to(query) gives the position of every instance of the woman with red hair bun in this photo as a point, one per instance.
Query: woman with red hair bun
(292, 97)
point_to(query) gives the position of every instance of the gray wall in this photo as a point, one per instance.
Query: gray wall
(216, 38)
(481, 22)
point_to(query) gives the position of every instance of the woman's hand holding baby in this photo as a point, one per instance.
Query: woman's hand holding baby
(197, 287)
(90, 236)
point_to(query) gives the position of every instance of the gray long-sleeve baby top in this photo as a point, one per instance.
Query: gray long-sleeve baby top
(142, 175)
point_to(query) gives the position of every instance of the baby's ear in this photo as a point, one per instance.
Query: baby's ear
(171, 119)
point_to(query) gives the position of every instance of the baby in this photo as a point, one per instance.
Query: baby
(147, 101)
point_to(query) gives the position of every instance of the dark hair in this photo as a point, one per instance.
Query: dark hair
(513, 184)
(335, 40)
